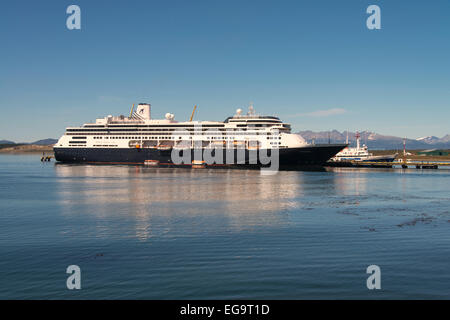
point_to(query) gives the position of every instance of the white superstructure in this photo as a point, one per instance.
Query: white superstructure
(141, 131)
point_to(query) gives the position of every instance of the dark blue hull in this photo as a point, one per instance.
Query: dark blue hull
(313, 155)
(389, 158)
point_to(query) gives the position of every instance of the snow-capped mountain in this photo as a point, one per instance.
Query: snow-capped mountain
(429, 139)
(377, 141)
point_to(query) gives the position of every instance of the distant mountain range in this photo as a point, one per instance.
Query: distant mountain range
(377, 141)
(7, 142)
(43, 142)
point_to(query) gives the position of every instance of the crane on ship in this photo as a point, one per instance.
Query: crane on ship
(192, 115)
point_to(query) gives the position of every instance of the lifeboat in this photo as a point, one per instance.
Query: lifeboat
(165, 145)
(151, 163)
(198, 164)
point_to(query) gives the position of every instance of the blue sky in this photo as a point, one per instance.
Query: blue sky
(313, 63)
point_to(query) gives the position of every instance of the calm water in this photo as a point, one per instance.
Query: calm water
(154, 233)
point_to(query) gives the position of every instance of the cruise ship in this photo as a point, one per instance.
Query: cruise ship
(242, 140)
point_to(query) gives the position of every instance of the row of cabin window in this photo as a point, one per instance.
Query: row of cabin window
(212, 138)
(168, 130)
(240, 132)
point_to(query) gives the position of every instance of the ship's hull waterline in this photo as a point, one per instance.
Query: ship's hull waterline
(310, 155)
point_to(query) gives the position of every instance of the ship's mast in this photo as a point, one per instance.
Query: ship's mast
(357, 139)
(404, 147)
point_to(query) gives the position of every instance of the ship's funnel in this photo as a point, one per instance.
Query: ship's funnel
(143, 111)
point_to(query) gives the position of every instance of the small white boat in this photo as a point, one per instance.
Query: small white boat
(360, 154)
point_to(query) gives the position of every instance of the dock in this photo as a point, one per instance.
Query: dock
(379, 164)
(46, 158)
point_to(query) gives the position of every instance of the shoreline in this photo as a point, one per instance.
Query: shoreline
(27, 148)
(413, 156)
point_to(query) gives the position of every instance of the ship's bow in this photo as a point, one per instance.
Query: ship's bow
(309, 155)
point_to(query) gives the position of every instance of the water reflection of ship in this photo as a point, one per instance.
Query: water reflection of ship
(351, 182)
(241, 199)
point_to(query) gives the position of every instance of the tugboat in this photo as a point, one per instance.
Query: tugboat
(360, 154)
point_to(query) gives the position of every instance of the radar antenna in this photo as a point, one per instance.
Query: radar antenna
(251, 110)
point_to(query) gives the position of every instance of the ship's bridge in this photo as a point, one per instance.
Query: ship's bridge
(252, 120)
